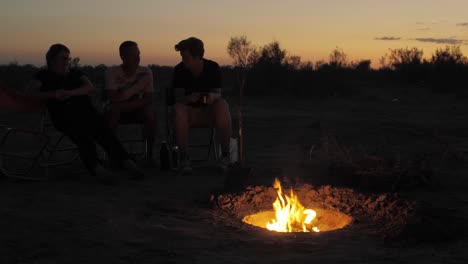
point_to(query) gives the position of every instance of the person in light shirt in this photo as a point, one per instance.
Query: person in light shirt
(129, 88)
(66, 93)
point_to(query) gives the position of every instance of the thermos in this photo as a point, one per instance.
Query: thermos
(175, 157)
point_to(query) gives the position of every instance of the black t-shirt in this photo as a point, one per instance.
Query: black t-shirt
(72, 109)
(208, 81)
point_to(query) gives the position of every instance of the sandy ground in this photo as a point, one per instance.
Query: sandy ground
(169, 218)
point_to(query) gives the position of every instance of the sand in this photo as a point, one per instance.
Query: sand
(173, 218)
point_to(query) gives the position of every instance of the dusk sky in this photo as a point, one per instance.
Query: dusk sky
(93, 29)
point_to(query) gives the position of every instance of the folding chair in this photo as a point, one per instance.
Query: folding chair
(131, 143)
(50, 152)
(58, 145)
(210, 145)
(32, 157)
(123, 131)
(170, 134)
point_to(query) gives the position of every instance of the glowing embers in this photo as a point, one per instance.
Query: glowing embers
(290, 215)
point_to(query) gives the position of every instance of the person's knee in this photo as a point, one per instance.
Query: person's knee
(221, 108)
(181, 111)
(221, 105)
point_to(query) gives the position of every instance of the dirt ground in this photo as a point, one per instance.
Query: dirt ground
(173, 218)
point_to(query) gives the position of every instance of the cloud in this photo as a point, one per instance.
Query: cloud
(465, 24)
(432, 22)
(450, 41)
(388, 38)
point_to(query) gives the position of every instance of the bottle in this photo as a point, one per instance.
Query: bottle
(164, 156)
(175, 158)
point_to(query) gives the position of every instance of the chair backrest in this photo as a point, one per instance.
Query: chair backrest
(10, 99)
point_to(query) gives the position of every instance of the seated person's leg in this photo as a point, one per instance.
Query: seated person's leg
(108, 140)
(221, 117)
(113, 116)
(182, 119)
(86, 147)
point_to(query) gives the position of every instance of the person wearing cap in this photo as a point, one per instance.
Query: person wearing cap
(196, 96)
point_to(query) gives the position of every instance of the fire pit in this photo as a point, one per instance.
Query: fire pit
(289, 215)
(316, 209)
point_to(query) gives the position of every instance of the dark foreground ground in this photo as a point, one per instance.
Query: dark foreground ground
(168, 218)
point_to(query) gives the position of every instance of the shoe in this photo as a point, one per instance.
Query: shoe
(185, 166)
(223, 163)
(104, 175)
(136, 172)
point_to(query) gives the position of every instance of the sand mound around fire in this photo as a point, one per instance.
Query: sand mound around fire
(390, 216)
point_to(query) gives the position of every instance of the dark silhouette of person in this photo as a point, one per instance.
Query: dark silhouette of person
(129, 88)
(196, 96)
(66, 93)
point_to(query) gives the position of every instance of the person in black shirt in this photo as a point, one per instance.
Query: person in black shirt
(66, 93)
(196, 94)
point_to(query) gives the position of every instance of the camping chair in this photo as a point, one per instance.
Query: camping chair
(32, 157)
(211, 145)
(12, 149)
(50, 152)
(125, 129)
(133, 142)
(58, 147)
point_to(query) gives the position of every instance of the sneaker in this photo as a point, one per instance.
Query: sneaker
(136, 172)
(185, 166)
(223, 163)
(104, 175)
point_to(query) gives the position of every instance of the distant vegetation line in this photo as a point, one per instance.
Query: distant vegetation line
(271, 70)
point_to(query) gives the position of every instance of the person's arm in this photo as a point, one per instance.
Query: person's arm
(143, 80)
(178, 90)
(122, 93)
(149, 90)
(111, 88)
(33, 89)
(180, 96)
(85, 89)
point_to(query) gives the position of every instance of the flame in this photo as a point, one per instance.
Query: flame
(291, 216)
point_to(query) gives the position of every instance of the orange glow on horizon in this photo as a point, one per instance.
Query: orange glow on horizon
(310, 29)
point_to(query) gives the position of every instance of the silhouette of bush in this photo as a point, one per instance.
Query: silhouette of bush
(449, 69)
(271, 70)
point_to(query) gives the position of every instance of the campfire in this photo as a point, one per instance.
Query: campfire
(290, 215)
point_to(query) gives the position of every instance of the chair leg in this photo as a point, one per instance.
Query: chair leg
(215, 146)
(145, 142)
(47, 164)
(211, 144)
(34, 161)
